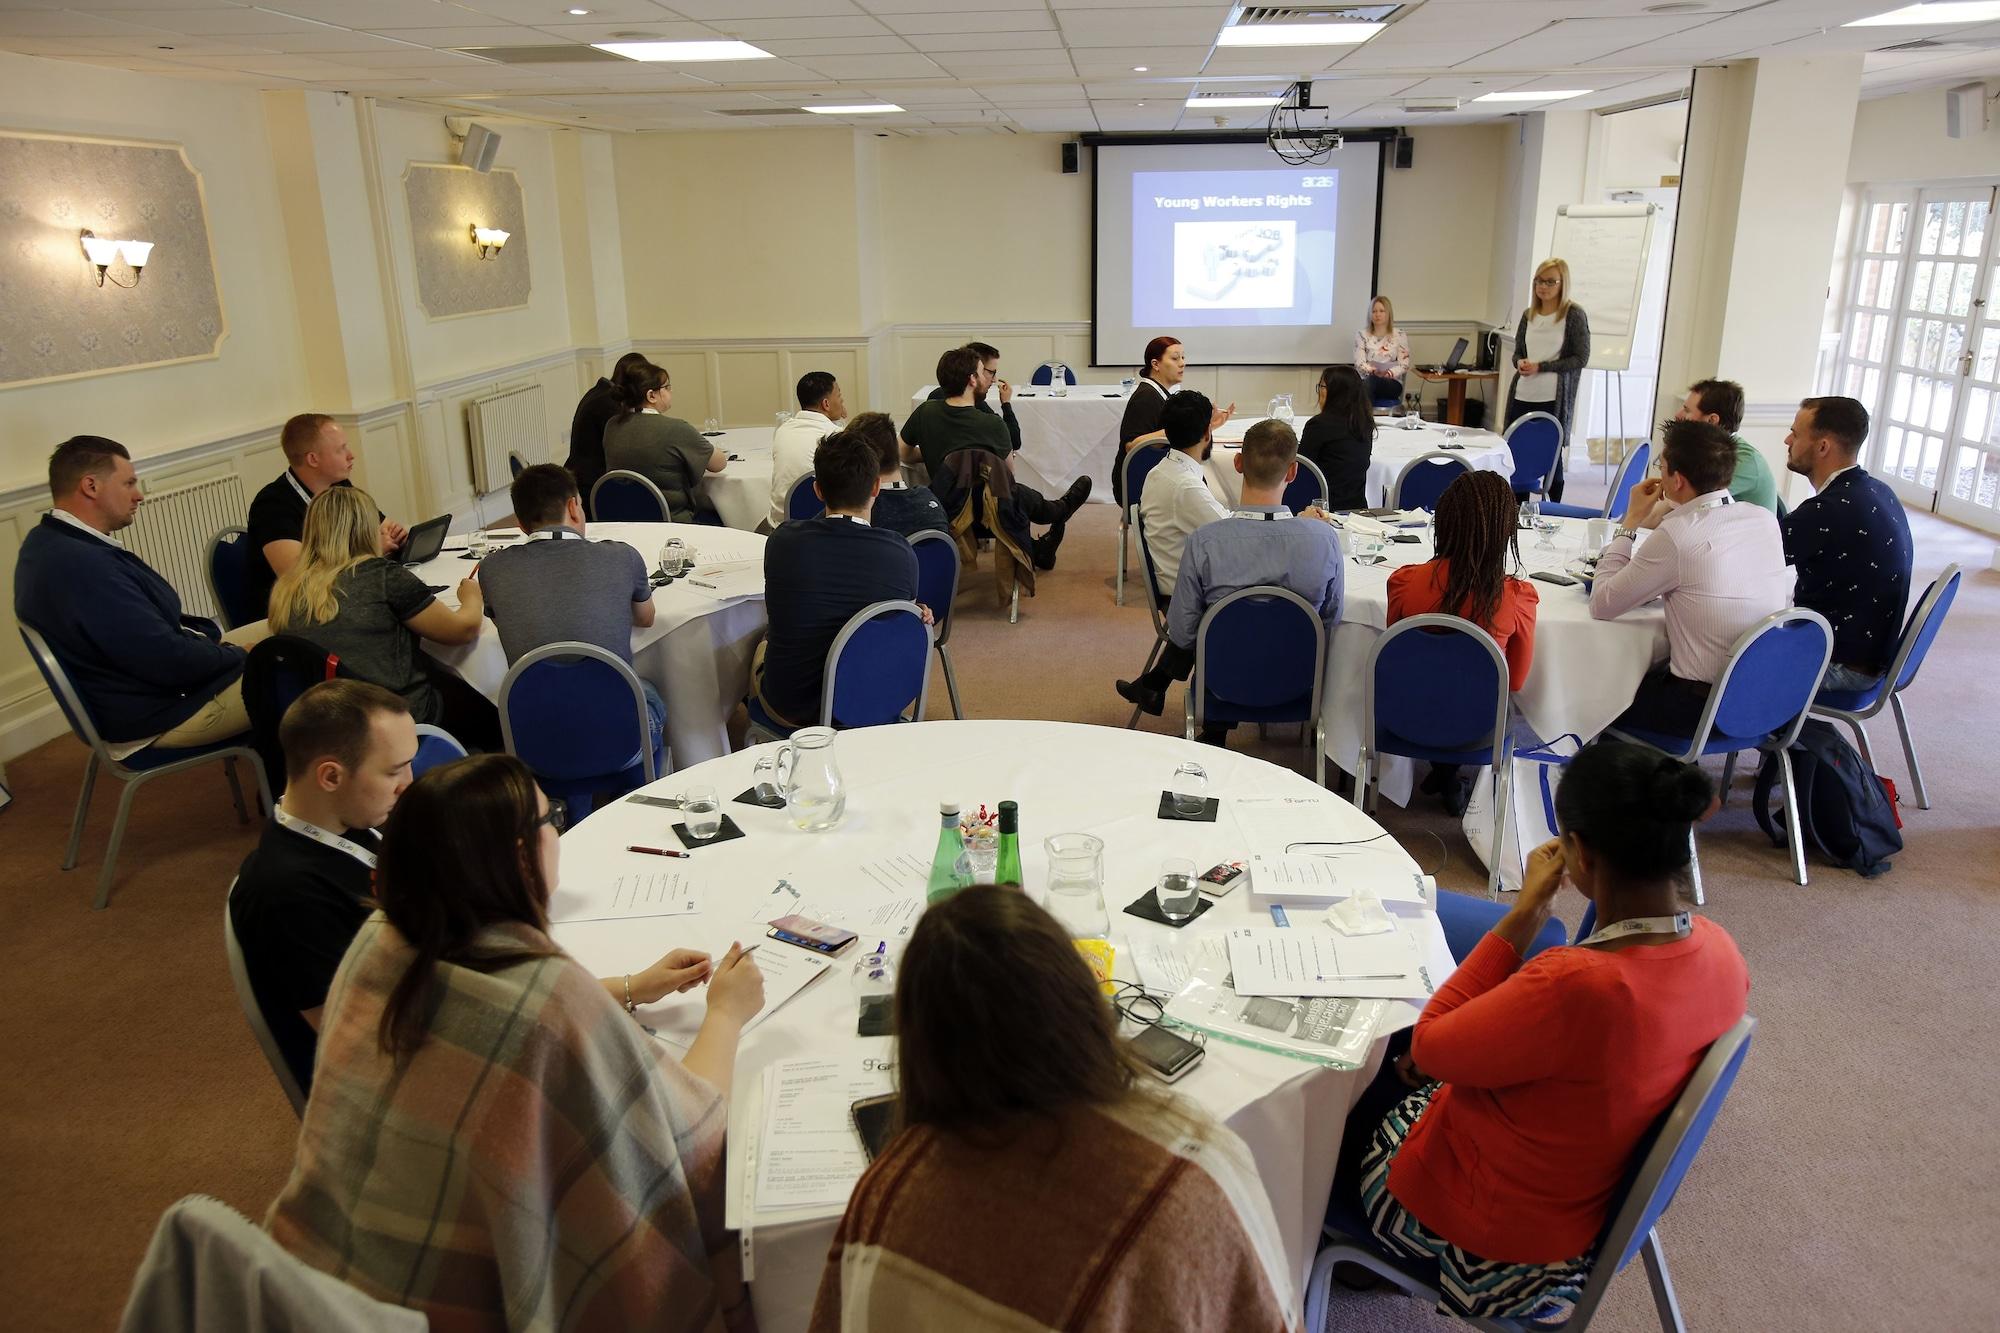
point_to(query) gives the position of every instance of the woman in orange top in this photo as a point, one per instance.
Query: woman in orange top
(1467, 577)
(1540, 1079)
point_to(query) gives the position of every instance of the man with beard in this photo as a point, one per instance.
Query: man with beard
(1175, 499)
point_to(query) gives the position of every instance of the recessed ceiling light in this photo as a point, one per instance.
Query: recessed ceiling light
(1263, 100)
(1534, 95)
(577, 12)
(1937, 11)
(1298, 34)
(1138, 69)
(860, 109)
(683, 51)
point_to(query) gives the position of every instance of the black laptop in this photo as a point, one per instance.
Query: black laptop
(1457, 355)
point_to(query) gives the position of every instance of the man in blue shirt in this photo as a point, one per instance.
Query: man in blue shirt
(1260, 543)
(1850, 542)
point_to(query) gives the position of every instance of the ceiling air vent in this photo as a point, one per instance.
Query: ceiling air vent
(1253, 15)
(569, 53)
(767, 111)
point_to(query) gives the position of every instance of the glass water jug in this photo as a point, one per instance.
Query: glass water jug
(815, 796)
(1281, 408)
(1058, 380)
(1076, 884)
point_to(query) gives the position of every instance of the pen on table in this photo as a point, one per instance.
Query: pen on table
(699, 584)
(659, 851)
(1364, 976)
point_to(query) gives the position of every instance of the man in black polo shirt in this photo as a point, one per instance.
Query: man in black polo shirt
(303, 893)
(318, 456)
(820, 571)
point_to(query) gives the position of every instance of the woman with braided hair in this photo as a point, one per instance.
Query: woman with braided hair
(1467, 577)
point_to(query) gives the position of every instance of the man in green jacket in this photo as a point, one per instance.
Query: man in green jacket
(1720, 403)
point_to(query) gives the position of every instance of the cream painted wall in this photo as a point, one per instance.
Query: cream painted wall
(1436, 260)
(1637, 148)
(1902, 138)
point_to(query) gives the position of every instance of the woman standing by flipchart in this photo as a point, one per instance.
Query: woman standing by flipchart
(1551, 349)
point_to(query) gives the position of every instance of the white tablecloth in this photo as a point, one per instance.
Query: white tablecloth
(696, 652)
(1584, 672)
(1064, 438)
(741, 492)
(1067, 778)
(1394, 448)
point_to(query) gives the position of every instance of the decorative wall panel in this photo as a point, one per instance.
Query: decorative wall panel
(55, 322)
(445, 203)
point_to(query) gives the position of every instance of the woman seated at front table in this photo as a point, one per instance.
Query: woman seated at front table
(492, 1140)
(1536, 1082)
(1476, 544)
(1166, 363)
(1040, 1178)
(1340, 437)
(1382, 353)
(342, 596)
(665, 450)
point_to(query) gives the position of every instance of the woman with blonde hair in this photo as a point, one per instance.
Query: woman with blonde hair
(1382, 353)
(1551, 348)
(344, 597)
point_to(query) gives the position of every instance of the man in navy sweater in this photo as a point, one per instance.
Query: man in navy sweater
(820, 571)
(1850, 542)
(145, 673)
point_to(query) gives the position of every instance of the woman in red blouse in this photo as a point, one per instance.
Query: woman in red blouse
(1535, 1082)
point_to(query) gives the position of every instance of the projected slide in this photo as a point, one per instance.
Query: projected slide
(1213, 248)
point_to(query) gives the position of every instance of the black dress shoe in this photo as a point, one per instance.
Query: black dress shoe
(1457, 794)
(1042, 550)
(1074, 497)
(1149, 700)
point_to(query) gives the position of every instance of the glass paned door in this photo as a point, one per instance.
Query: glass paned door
(1970, 490)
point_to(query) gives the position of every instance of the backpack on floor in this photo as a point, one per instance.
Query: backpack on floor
(1844, 808)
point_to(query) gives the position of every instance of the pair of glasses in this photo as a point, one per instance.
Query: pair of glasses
(1547, 282)
(557, 816)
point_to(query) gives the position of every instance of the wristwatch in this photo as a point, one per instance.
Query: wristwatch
(1632, 533)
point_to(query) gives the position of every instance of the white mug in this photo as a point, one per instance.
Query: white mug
(1595, 534)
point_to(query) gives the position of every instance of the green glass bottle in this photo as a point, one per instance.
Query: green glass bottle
(1008, 871)
(949, 871)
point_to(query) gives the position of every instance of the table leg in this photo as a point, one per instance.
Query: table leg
(1454, 403)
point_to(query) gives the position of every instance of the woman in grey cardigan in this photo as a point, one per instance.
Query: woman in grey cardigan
(1551, 348)
(665, 450)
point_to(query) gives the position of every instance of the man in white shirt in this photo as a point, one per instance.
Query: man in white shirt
(1175, 499)
(821, 410)
(1719, 565)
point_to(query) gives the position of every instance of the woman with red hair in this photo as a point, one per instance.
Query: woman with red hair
(1165, 364)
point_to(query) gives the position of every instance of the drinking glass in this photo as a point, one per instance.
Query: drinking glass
(703, 811)
(1531, 512)
(1076, 884)
(1548, 525)
(982, 853)
(1451, 438)
(1178, 892)
(783, 417)
(477, 543)
(710, 426)
(815, 795)
(763, 779)
(674, 557)
(1190, 788)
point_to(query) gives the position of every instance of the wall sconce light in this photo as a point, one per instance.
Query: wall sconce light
(103, 252)
(489, 240)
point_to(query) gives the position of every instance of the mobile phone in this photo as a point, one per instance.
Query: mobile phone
(1169, 1057)
(810, 934)
(1546, 576)
(875, 1122)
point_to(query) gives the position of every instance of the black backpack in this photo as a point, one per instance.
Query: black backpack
(1843, 806)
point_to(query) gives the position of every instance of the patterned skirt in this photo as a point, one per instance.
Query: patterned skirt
(1468, 1286)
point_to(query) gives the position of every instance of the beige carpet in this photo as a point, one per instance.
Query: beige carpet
(1851, 1183)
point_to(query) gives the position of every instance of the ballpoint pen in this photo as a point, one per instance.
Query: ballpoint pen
(659, 851)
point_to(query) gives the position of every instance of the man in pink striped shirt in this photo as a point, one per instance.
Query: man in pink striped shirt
(1719, 565)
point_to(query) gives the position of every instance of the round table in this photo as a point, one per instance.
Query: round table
(1394, 447)
(1067, 778)
(1063, 438)
(741, 493)
(696, 652)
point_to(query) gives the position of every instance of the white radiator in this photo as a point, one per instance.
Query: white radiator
(504, 425)
(172, 532)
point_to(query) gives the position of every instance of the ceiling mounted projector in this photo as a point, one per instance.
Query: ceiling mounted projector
(1297, 130)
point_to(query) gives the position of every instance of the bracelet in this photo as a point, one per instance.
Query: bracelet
(628, 993)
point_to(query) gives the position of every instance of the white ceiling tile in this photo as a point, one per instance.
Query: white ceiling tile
(445, 38)
(664, 28)
(186, 46)
(717, 10)
(802, 47)
(542, 13)
(49, 23)
(976, 20)
(912, 66)
(755, 29)
(1042, 40)
(373, 14)
(1006, 64)
(207, 21)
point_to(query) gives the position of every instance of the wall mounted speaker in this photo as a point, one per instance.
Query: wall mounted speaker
(481, 146)
(1406, 151)
(1965, 110)
(1072, 153)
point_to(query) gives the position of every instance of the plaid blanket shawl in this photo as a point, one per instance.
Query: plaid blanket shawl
(1113, 1221)
(537, 1164)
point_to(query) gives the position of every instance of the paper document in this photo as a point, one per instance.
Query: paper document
(1299, 847)
(1264, 960)
(660, 893)
(726, 580)
(1165, 965)
(808, 1153)
(896, 874)
(787, 970)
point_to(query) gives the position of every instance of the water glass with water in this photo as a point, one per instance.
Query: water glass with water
(1531, 513)
(783, 417)
(1178, 891)
(1190, 789)
(703, 811)
(710, 426)
(674, 557)
(477, 543)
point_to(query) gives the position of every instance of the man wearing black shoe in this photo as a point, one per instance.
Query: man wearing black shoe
(1261, 543)
(941, 427)
(1175, 499)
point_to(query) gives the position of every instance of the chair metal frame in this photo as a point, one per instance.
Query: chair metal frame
(1556, 459)
(1662, 1164)
(85, 727)
(1129, 517)
(223, 599)
(1312, 729)
(941, 631)
(1500, 743)
(847, 632)
(1618, 496)
(1893, 684)
(802, 493)
(624, 476)
(431, 731)
(1308, 467)
(570, 650)
(253, 1012)
(1698, 743)
(1431, 459)
(1152, 607)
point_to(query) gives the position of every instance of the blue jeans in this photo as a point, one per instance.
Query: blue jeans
(656, 717)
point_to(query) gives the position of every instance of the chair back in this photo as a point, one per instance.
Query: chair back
(1629, 473)
(1154, 594)
(937, 579)
(1259, 656)
(880, 665)
(626, 497)
(229, 557)
(1924, 624)
(1435, 684)
(1140, 459)
(253, 1011)
(277, 671)
(573, 712)
(1768, 683)
(1307, 488)
(515, 466)
(435, 746)
(1535, 440)
(67, 698)
(802, 501)
(1424, 478)
(1046, 374)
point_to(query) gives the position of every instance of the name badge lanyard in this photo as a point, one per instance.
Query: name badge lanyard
(325, 839)
(1678, 924)
(555, 535)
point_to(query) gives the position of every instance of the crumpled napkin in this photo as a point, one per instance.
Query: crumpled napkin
(1363, 914)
